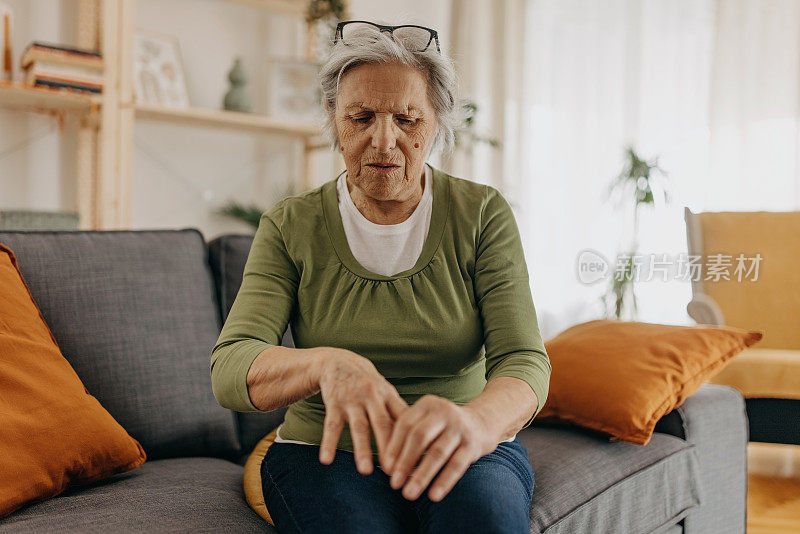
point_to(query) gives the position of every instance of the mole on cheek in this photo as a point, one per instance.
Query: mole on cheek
(416, 145)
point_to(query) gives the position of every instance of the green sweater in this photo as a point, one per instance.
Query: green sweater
(462, 315)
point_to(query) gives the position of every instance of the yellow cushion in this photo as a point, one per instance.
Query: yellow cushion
(253, 490)
(759, 372)
(772, 302)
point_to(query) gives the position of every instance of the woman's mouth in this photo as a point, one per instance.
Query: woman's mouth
(383, 169)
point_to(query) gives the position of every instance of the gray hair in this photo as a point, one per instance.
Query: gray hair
(374, 46)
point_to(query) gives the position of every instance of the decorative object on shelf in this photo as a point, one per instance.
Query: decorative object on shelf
(638, 182)
(61, 66)
(293, 91)
(5, 38)
(158, 70)
(237, 99)
(322, 17)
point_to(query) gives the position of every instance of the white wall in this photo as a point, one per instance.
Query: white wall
(181, 173)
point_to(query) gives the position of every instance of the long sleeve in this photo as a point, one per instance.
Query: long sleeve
(512, 339)
(259, 315)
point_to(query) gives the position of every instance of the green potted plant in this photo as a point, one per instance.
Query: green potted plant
(639, 183)
(250, 214)
(466, 137)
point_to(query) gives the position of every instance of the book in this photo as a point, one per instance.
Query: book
(64, 72)
(78, 87)
(34, 79)
(62, 48)
(59, 75)
(37, 51)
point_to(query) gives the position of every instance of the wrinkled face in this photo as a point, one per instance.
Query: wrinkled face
(386, 126)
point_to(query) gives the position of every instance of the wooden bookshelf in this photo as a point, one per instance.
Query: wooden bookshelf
(108, 120)
(16, 95)
(224, 119)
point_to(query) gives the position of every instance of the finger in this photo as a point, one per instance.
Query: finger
(456, 467)
(331, 430)
(359, 432)
(402, 425)
(396, 405)
(382, 423)
(417, 441)
(437, 455)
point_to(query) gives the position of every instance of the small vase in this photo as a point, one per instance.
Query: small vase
(237, 99)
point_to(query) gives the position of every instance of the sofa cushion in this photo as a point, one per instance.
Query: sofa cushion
(621, 377)
(585, 483)
(175, 495)
(763, 373)
(53, 432)
(135, 314)
(227, 255)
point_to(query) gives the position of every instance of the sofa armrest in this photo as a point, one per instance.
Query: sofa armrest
(714, 419)
(705, 310)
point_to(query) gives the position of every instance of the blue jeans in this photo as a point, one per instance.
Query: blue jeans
(304, 495)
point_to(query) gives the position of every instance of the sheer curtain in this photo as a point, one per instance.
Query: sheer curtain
(754, 108)
(485, 42)
(711, 88)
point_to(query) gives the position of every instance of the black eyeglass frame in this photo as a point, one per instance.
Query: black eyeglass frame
(390, 29)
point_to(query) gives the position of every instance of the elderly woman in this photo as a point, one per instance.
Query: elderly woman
(417, 345)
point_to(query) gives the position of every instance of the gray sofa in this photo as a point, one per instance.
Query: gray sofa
(137, 313)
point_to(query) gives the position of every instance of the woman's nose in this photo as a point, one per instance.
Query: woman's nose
(383, 136)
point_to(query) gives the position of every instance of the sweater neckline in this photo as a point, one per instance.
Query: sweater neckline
(346, 203)
(439, 212)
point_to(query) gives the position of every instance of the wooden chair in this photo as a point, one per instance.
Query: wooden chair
(768, 375)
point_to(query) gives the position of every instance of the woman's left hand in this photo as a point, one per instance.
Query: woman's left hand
(450, 435)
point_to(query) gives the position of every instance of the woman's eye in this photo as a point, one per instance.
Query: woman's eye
(404, 120)
(361, 119)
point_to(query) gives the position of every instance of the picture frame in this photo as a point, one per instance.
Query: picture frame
(158, 70)
(293, 92)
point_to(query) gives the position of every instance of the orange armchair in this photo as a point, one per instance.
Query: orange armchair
(754, 283)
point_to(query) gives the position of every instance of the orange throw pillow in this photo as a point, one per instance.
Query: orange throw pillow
(53, 433)
(619, 378)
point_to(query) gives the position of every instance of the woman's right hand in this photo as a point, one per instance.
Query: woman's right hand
(355, 392)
